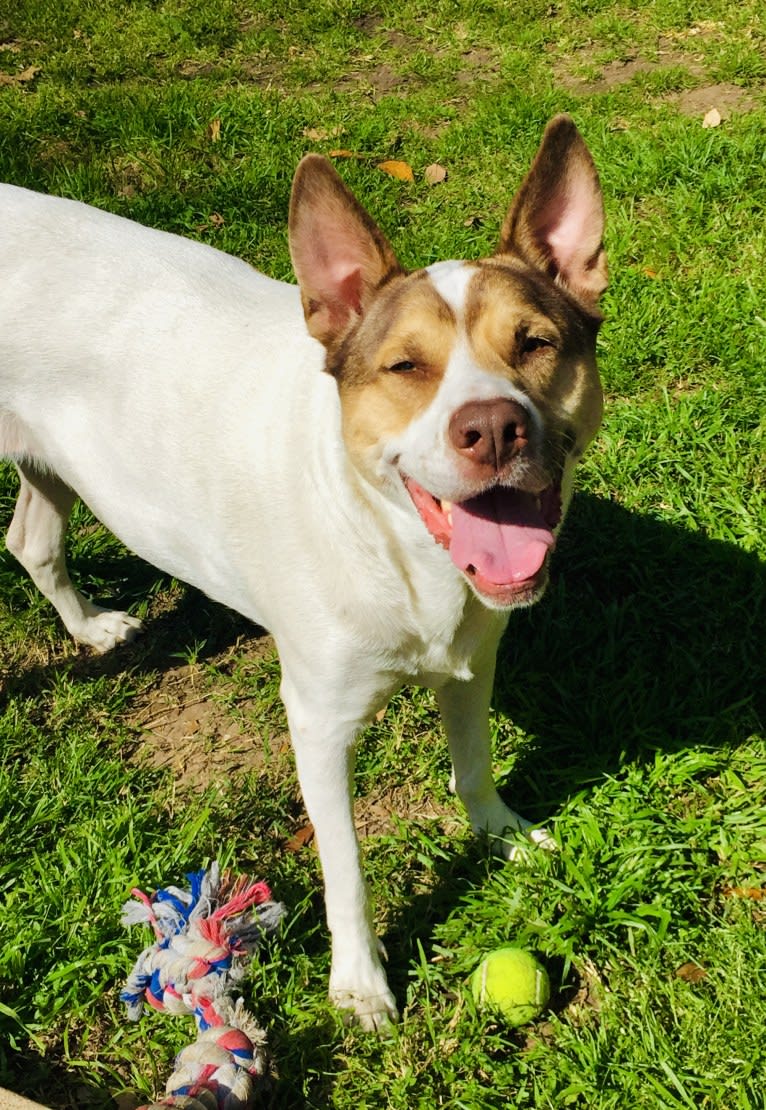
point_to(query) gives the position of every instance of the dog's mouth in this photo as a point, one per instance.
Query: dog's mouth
(499, 539)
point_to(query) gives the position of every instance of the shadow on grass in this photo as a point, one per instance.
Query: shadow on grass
(651, 637)
(48, 1081)
(182, 622)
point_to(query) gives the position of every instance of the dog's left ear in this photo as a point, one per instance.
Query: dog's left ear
(556, 222)
(340, 255)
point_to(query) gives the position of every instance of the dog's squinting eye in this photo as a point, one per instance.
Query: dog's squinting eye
(532, 343)
(403, 367)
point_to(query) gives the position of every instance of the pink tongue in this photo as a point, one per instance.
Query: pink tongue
(501, 534)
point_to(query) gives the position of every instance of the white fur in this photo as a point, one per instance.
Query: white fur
(177, 391)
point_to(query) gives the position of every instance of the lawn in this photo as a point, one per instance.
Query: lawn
(630, 707)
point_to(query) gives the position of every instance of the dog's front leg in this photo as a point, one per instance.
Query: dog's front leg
(464, 708)
(324, 753)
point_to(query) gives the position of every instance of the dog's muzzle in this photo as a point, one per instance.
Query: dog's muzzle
(499, 539)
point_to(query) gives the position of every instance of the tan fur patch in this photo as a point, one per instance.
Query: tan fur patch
(409, 323)
(509, 308)
(507, 305)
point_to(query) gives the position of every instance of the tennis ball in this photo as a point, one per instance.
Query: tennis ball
(511, 982)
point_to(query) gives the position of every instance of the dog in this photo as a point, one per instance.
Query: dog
(373, 465)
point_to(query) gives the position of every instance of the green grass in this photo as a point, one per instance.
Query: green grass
(630, 705)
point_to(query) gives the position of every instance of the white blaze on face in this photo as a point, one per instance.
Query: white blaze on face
(422, 450)
(451, 281)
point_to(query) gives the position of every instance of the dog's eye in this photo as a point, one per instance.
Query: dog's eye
(532, 343)
(403, 367)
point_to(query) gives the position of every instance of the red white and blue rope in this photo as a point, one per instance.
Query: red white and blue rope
(205, 937)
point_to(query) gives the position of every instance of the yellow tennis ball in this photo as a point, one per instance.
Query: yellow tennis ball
(511, 982)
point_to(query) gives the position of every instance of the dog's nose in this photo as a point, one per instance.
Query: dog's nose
(489, 433)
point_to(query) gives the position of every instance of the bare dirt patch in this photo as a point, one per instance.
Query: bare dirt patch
(673, 53)
(620, 71)
(728, 99)
(476, 65)
(188, 726)
(376, 814)
(377, 81)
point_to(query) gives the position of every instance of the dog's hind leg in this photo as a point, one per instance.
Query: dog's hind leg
(36, 538)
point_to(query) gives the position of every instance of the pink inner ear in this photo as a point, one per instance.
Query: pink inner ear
(333, 263)
(347, 280)
(574, 231)
(337, 298)
(340, 257)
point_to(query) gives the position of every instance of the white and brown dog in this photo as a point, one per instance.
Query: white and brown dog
(372, 466)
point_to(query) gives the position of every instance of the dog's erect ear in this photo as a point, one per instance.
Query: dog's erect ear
(556, 222)
(339, 254)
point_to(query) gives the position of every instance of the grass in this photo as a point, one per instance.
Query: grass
(630, 705)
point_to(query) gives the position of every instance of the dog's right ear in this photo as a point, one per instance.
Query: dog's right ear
(340, 255)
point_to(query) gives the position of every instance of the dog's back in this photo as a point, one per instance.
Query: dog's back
(155, 376)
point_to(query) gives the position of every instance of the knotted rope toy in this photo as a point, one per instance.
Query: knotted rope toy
(205, 938)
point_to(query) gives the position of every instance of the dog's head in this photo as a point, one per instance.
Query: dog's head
(469, 389)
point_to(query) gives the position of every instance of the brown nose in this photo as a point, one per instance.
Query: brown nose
(489, 433)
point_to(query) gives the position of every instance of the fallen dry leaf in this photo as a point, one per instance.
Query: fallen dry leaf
(214, 131)
(27, 74)
(435, 174)
(214, 220)
(317, 134)
(343, 154)
(301, 838)
(402, 171)
(712, 118)
(691, 972)
(753, 893)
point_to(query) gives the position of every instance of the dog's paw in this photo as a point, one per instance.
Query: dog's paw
(516, 848)
(105, 629)
(372, 1013)
(519, 838)
(360, 989)
(511, 836)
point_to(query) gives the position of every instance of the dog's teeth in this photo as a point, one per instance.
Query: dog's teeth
(447, 510)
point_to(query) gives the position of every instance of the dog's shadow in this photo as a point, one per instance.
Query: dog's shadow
(180, 623)
(652, 636)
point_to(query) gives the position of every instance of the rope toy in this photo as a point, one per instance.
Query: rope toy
(205, 938)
